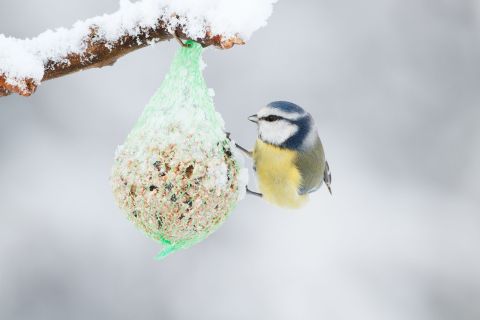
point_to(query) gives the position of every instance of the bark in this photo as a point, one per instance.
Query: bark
(100, 53)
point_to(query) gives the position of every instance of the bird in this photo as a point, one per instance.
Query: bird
(289, 159)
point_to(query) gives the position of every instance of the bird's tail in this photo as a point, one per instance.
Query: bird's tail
(327, 177)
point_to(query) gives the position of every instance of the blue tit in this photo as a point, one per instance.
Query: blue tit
(289, 160)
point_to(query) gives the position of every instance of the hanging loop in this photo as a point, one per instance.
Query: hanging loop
(185, 45)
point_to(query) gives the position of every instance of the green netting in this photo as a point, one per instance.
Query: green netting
(175, 177)
(184, 88)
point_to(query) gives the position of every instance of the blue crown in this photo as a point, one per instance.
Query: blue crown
(286, 106)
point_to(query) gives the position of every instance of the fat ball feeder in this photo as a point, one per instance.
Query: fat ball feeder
(178, 176)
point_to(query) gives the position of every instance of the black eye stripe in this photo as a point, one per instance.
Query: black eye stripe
(271, 118)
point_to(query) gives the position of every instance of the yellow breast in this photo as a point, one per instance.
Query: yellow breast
(279, 179)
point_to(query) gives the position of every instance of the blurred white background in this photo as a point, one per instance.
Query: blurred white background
(394, 87)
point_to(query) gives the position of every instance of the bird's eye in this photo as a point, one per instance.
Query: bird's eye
(271, 118)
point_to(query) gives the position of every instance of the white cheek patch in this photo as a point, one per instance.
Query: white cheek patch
(267, 111)
(276, 132)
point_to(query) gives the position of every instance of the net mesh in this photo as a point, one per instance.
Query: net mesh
(177, 176)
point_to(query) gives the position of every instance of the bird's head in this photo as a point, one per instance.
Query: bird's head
(286, 125)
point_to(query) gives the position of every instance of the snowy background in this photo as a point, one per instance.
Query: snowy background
(394, 86)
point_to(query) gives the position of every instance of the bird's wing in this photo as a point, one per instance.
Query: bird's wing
(311, 165)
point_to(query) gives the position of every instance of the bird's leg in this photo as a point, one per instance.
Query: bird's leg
(245, 151)
(254, 193)
(248, 153)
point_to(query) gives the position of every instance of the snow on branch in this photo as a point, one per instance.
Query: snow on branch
(100, 41)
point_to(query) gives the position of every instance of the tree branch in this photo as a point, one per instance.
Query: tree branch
(99, 53)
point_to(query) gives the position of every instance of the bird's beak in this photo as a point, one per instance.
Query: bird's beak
(253, 118)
